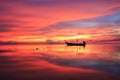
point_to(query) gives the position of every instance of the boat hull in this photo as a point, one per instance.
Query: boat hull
(75, 44)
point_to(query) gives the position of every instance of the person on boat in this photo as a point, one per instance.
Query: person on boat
(84, 42)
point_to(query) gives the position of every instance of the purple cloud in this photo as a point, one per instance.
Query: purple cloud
(6, 27)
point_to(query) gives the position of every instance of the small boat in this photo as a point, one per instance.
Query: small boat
(75, 44)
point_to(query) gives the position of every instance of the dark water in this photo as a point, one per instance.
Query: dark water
(60, 62)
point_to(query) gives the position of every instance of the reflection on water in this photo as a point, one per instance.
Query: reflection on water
(59, 62)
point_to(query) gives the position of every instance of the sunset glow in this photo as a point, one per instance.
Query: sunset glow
(59, 20)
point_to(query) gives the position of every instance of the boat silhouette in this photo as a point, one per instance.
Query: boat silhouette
(75, 44)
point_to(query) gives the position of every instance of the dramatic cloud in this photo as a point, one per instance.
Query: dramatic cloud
(101, 23)
(58, 19)
(6, 27)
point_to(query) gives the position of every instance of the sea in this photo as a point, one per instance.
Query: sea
(59, 62)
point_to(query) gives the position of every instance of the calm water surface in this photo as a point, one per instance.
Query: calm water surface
(60, 62)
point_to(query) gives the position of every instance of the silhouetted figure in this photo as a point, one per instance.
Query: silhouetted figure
(84, 42)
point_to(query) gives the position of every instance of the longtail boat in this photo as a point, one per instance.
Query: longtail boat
(75, 44)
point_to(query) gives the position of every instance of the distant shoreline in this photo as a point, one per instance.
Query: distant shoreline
(48, 43)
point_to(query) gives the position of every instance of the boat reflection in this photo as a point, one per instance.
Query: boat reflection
(60, 62)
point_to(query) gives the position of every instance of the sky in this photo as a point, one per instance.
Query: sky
(59, 20)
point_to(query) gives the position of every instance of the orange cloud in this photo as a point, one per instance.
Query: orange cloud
(37, 18)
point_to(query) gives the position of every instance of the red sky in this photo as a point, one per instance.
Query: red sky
(41, 20)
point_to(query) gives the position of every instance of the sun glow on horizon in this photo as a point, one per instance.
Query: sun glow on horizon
(26, 21)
